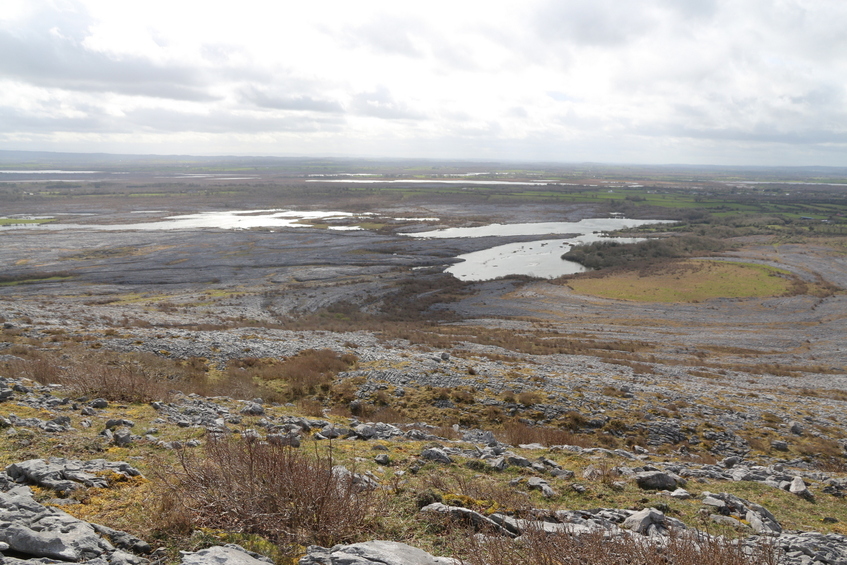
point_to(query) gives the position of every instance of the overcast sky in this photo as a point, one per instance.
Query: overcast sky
(755, 82)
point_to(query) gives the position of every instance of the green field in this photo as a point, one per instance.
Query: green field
(689, 281)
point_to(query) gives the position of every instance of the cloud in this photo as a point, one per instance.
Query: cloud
(91, 121)
(159, 120)
(380, 104)
(296, 102)
(385, 35)
(599, 23)
(574, 79)
(48, 50)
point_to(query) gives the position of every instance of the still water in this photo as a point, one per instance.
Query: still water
(541, 258)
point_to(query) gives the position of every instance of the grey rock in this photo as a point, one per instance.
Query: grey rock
(359, 481)
(119, 557)
(122, 437)
(364, 431)
(562, 473)
(115, 423)
(471, 517)
(760, 525)
(222, 555)
(123, 540)
(518, 461)
(252, 409)
(681, 494)
(726, 521)
(65, 475)
(535, 483)
(730, 461)
(779, 445)
(498, 463)
(436, 454)
(375, 552)
(480, 436)
(646, 522)
(40, 531)
(799, 488)
(655, 480)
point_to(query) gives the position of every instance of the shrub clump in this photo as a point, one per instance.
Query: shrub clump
(565, 549)
(278, 492)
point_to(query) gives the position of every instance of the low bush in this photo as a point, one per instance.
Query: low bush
(539, 547)
(281, 493)
(517, 433)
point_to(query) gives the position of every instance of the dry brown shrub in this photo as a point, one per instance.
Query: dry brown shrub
(517, 433)
(540, 548)
(309, 372)
(138, 379)
(529, 398)
(388, 415)
(279, 492)
(313, 368)
(481, 493)
(310, 407)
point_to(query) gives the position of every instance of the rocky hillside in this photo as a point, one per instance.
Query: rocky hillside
(120, 447)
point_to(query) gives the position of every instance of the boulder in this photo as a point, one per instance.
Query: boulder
(375, 552)
(779, 445)
(65, 475)
(122, 437)
(30, 528)
(681, 494)
(535, 483)
(252, 409)
(655, 480)
(646, 522)
(436, 454)
(471, 517)
(230, 554)
(799, 488)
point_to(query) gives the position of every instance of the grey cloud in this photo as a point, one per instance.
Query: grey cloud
(593, 22)
(561, 96)
(806, 137)
(263, 99)
(455, 56)
(31, 53)
(387, 35)
(698, 9)
(380, 104)
(95, 120)
(159, 120)
(517, 112)
(13, 120)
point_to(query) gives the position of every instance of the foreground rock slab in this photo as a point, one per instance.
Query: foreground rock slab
(230, 554)
(376, 552)
(30, 528)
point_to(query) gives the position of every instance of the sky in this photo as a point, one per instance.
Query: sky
(723, 82)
